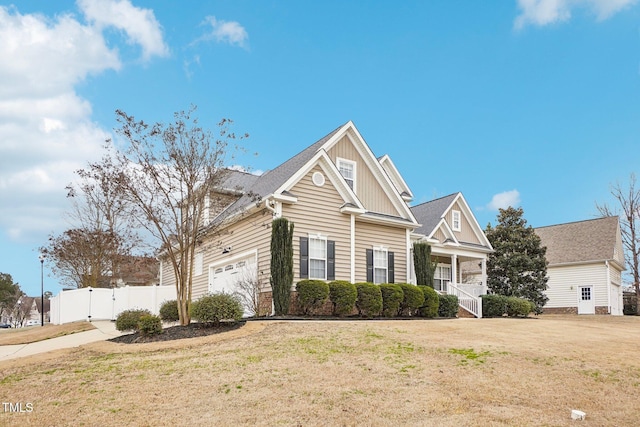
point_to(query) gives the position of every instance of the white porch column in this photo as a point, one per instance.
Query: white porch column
(454, 269)
(484, 275)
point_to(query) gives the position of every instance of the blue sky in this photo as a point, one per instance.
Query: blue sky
(533, 103)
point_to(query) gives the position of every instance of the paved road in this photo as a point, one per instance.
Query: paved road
(105, 329)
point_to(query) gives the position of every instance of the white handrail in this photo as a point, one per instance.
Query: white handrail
(467, 301)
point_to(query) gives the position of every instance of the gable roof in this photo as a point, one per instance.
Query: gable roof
(278, 181)
(429, 214)
(582, 241)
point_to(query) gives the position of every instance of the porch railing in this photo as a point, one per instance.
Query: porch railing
(466, 300)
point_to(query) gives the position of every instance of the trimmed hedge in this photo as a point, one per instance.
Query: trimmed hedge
(129, 320)
(499, 305)
(447, 306)
(431, 303)
(392, 296)
(169, 311)
(369, 301)
(150, 324)
(312, 294)
(343, 296)
(412, 301)
(217, 307)
(518, 307)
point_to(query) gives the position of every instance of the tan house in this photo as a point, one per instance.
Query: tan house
(586, 261)
(352, 220)
(458, 244)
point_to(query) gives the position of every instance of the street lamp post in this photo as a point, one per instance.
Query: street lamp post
(41, 257)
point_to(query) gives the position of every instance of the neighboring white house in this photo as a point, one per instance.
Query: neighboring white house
(586, 261)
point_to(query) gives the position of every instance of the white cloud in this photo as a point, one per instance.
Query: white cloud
(225, 32)
(45, 126)
(139, 24)
(504, 200)
(544, 12)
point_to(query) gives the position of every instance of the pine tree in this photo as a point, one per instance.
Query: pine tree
(518, 266)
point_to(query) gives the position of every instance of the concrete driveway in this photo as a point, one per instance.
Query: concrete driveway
(105, 329)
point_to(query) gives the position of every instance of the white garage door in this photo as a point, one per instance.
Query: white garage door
(225, 277)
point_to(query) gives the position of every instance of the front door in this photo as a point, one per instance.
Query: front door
(586, 300)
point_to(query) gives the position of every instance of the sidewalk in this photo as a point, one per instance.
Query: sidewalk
(105, 329)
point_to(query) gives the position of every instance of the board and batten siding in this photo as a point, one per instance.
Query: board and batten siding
(369, 235)
(564, 281)
(466, 233)
(318, 212)
(248, 234)
(368, 188)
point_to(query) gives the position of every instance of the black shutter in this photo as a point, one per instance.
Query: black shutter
(391, 271)
(304, 258)
(369, 265)
(331, 260)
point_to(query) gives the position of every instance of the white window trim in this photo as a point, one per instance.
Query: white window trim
(385, 268)
(339, 161)
(441, 280)
(323, 238)
(456, 225)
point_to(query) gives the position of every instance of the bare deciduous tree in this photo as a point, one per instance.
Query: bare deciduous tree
(628, 210)
(164, 174)
(248, 289)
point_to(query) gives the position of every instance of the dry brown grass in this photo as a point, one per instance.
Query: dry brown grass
(39, 333)
(489, 372)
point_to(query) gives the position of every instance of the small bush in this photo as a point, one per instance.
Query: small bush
(494, 305)
(447, 305)
(518, 307)
(216, 307)
(369, 301)
(129, 320)
(392, 296)
(431, 303)
(150, 324)
(312, 294)
(412, 301)
(169, 311)
(343, 296)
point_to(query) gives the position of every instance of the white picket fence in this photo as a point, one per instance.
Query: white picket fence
(105, 304)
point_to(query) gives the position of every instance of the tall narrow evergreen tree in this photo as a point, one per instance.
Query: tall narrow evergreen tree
(424, 267)
(281, 264)
(518, 266)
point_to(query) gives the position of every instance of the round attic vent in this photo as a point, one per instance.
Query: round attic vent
(318, 179)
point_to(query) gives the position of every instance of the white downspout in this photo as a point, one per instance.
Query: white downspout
(267, 204)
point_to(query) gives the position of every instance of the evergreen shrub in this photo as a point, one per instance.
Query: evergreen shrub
(169, 311)
(392, 296)
(431, 303)
(312, 294)
(369, 300)
(215, 308)
(413, 299)
(150, 324)
(447, 305)
(494, 305)
(518, 307)
(129, 320)
(343, 296)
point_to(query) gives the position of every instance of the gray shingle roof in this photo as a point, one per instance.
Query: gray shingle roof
(590, 240)
(430, 213)
(235, 180)
(273, 179)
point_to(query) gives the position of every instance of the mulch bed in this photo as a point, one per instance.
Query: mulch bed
(178, 332)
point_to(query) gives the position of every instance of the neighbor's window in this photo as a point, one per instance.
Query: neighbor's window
(317, 258)
(380, 265)
(456, 221)
(347, 169)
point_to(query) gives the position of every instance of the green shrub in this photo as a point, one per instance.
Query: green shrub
(369, 301)
(169, 311)
(494, 305)
(150, 324)
(343, 296)
(312, 294)
(431, 303)
(216, 307)
(518, 307)
(129, 320)
(412, 301)
(392, 296)
(447, 305)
